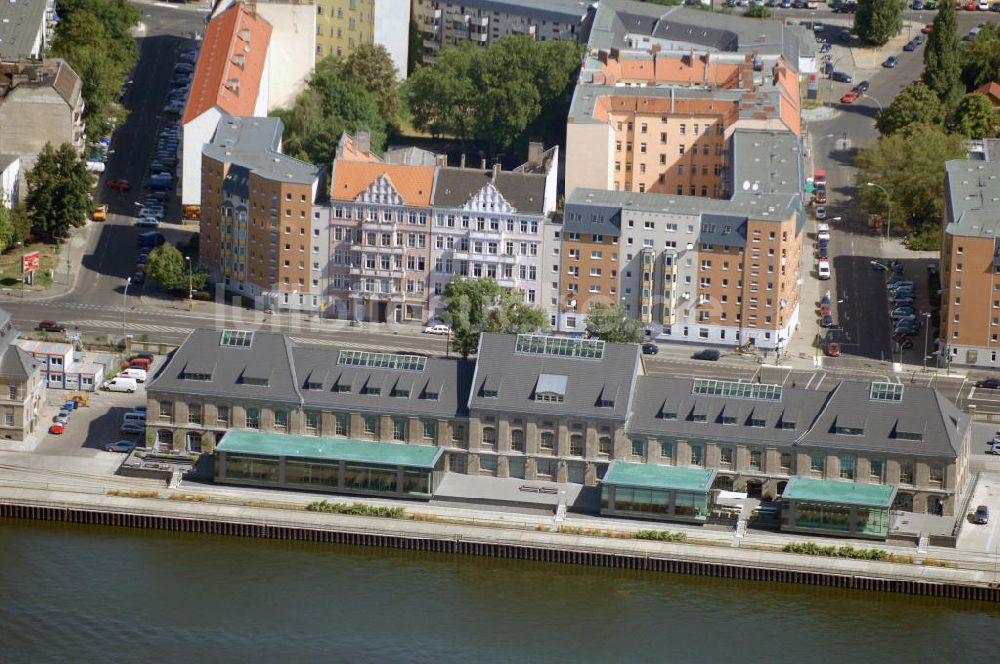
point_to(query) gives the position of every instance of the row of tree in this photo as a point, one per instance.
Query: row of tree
(496, 96)
(93, 37)
(926, 125)
(474, 306)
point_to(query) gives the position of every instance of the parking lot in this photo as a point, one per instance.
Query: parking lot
(978, 537)
(89, 428)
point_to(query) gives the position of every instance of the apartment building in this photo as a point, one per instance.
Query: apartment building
(41, 101)
(482, 22)
(970, 262)
(399, 232)
(258, 229)
(343, 25)
(553, 409)
(26, 29)
(10, 180)
(231, 78)
(22, 389)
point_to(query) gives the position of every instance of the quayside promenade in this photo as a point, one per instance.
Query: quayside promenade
(28, 492)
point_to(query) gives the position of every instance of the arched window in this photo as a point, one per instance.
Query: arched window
(576, 444)
(604, 446)
(489, 436)
(548, 441)
(193, 442)
(517, 440)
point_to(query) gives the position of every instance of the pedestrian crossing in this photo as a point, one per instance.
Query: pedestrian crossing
(117, 325)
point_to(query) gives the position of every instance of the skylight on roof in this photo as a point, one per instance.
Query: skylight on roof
(542, 344)
(236, 338)
(737, 390)
(360, 358)
(886, 391)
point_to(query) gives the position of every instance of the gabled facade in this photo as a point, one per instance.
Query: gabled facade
(231, 78)
(22, 389)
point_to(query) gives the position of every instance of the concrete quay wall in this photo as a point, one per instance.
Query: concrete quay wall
(551, 547)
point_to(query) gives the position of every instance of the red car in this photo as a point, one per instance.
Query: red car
(821, 196)
(850, 97)
(833, 349)
(927, 29)
(57, 428)
(970, 6)
(824, 309)
(120, 185)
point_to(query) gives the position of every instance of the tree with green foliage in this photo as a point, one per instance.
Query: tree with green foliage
(415, 54)
(915, 104)
(910, 165)
(168, 267)
(941, 57)
(467, 305)
(328, 107)
(7, 230)
(610, 322)
(21, 219)
(512, 315)
(757, 11)
(979, 61)
(370, 66)
(59, 192)
(516, 87)
(878, 21)
(974, 117)
(93, 37)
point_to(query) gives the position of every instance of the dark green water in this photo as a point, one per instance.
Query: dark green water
(85, 594)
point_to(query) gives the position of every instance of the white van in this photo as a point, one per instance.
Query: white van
(823, 269)
(138, 374)
(133, 416)
(121, 384)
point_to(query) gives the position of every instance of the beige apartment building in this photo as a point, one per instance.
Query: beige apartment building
(22, 389)
(257, 229)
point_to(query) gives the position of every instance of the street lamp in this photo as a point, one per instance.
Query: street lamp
(190, 285)
(888, 207)
(927, 332)
(125, 306)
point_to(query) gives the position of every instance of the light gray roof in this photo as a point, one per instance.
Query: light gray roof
(19, 27)
(268, 356)
(455, 186)
(563, 11)
(666, 407)
(972, 198)
(410, 156)
(253, 143)
(7, 159)
(766, 161)
(15, 362)
(448, 378)
(516, 377)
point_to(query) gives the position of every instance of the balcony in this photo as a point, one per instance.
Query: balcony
(481, 21)
(378, 226)
(480, 37)
(505, 283)
(493, 236)
(508, 259)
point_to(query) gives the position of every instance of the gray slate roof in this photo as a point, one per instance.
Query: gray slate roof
(14, 361)
(972, 197)
(815, 413)
(449, 378)
(455, 186)
(268, 356)
(253, 143)
(515, 376)
(563, 11)
(19, 28)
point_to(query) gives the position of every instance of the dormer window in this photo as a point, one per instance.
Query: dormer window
(551, 388)
(400, 393)
(758, 423)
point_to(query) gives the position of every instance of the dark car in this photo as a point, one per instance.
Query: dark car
(841, 77)
(650, 349)
(139, 278)
(982, 515)
(50, 326)
(826, 321)
(862, 87)
(845, 35)
(709, 354)
(911, 45)
(890, 62)
(825, 47)
(823, 252)
(919, 39)
(989, 383)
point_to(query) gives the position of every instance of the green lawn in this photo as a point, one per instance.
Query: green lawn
(10, 266)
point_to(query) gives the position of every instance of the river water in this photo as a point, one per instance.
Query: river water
(92, 594)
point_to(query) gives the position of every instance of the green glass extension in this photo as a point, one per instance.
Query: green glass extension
(648, 491)
(334, 465)
(829, 507)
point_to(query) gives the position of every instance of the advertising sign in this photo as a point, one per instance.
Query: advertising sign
(29, 262)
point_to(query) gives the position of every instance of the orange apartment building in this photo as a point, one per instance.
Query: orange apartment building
(970, 263)
(258, 222)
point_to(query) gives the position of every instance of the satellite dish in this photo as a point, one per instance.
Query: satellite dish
(746, 185)
(756, 186)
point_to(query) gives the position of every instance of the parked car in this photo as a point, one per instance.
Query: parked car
(57, 428)
(132, 428)
(862, 87)
(850, 97)
(823, 231)
(823, 252)
(982, 515)
(438, 328)
(820, 196)
(51, 326)
(144, 356)
(120, 185)
(833, 349)
(119, 384)
(709, 354)
(841, 77)
(927, 29)
(989, 383)
(890, 62)
(823, 268)
(826, 321)
(650, 349)
(148, 222)
(911, 45)
(821, 212)
(120, 446)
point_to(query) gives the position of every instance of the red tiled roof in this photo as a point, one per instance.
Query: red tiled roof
(231, 64)
(413, 183)
(991, 89)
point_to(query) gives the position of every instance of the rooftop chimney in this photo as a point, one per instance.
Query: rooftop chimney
(496, 170)
(461, 161)
(535, 150)
(482, 163)
(441, 159)
(363, 141)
